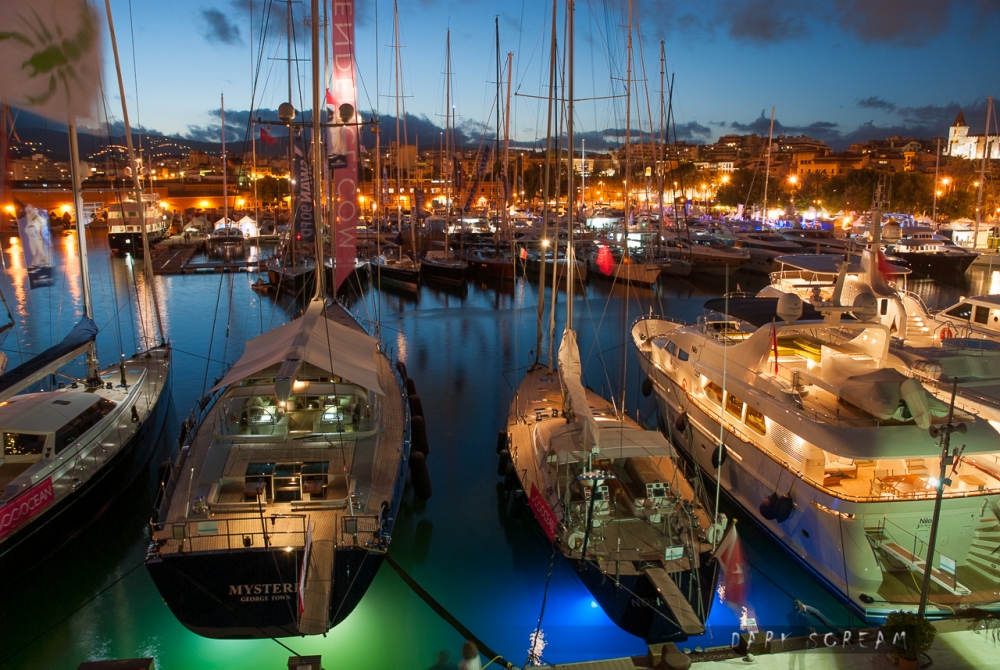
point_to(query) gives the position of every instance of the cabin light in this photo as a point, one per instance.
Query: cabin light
(824, 508)
(288, 550)
(298, 385)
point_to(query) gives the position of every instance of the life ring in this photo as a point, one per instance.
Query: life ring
(684, 384)
(946, 333)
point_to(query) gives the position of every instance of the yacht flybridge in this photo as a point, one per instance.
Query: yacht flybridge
(828, 449)
(283, 499)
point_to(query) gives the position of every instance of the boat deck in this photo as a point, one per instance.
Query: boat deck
(223, 498)
(632, 532)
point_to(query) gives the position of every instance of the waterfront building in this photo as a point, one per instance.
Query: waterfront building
(963, 144)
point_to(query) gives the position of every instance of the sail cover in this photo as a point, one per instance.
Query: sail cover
(571, 373)
(312, 339)
(50, 360)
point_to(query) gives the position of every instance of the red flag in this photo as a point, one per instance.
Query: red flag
(774, 345)
(524, 257)
(329, 99)
(884, 268)
(266, 137)
(734, 569)
(605, 263)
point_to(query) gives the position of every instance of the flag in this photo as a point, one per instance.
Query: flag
(33, 226)
(729, 554)
(329, 99)
(343, 157)
(605, 263)
(51, 55)
(266, 137)
(524, 257)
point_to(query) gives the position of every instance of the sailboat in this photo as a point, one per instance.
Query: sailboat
(282, 501)
(444, 266)
(70, 452)
(605, 491)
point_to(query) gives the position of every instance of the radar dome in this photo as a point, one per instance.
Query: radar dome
(865, 306)
(789, 307)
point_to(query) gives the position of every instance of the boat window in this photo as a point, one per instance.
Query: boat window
(755, 421)
(982, 314)
(885, 306)
(714, 393)
(22, 444)
(681, 354)
(734, 406)
(86, 420)
(671, 348)
(963, 311)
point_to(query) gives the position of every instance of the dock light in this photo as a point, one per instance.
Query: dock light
(545, 243)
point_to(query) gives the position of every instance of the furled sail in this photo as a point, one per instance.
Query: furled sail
(571, 373)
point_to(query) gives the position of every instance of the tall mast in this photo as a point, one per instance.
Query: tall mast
(767, 168)
(317, 171)
(496, 141)
(628, 115)
(93, 368)
(399, 146)
(937, 163)
(506, 148)
(291, 156)
(446, 171)
(660, 173)
(147, 261)
(982, 172)
(545, 190)
(570, 195)
(225, 183)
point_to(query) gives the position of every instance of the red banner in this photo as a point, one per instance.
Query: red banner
(344, 145)
(22, 508)
(546, 517)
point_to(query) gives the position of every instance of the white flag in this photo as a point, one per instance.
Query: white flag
(50, 51)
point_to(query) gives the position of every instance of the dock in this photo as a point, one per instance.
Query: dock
(173, 257)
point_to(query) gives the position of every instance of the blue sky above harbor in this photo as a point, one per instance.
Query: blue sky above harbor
(838, 70)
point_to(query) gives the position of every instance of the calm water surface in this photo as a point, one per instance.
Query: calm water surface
(466, 351)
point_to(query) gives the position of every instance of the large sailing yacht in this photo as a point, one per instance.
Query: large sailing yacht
(827, 448)
(283, 498)
(606, 492)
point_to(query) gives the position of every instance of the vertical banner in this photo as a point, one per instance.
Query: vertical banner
(305, 217)
(33, 225)
(343, 145)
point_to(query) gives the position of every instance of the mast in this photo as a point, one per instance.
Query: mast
(291, 157)
(937, 163)
(147, 261)
(399, 146)
(447, 141)
(317, 171)
(570, 195)
(93, 367)
(662, 169)
(496, 141)
(982, 172)
(767, 168)
(545, 191)
(506, 149)
(225, 183)
(628, 117)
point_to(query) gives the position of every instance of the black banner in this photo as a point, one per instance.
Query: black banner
(305, 217)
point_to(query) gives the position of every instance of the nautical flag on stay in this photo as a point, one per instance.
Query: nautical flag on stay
(734, 569)
(267, 138)
(344, 155)
(304, 226)
(51, 55)
(605, 262)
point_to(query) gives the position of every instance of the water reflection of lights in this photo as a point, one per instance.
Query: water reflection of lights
(401, 346)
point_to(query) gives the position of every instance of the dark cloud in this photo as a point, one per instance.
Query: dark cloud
(939, 116)
(909, 23)
(875, 102)
(692, 130)
(218, 28)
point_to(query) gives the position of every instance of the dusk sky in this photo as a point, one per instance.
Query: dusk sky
(836, 69)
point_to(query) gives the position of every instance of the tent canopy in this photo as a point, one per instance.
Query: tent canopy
(313, 339)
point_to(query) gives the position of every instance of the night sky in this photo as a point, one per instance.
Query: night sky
(838, 70)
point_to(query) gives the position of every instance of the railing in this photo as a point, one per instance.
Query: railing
(244, 532)
(360, 530)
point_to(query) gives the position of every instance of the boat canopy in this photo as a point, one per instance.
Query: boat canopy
(29, 372)
(828, 264)
(571, 375)
(760, 311)
(313, 339)
(616, 441)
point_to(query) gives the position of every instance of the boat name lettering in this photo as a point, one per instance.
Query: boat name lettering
(25, 506)
(251, 593)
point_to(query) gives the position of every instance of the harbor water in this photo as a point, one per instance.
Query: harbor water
(466, 350)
